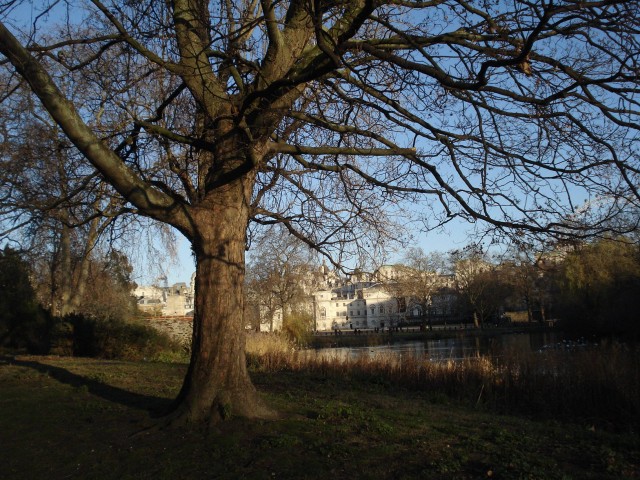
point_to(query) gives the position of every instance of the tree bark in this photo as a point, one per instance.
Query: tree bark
(217, 384)
(476, 320)
(74, 275)
(65, 280)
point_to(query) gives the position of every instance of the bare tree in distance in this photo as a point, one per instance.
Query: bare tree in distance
(277, 273)
(328, 117)
(471, 268)
(57, 208)
(417, 281)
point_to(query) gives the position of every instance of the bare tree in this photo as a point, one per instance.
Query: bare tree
(60, 212)
(471, 266)
(417, 282)
(277, 274)
(207, 115)
(522, 268)
(482, 284)
(56, 208)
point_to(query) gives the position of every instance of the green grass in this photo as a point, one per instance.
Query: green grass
(85, 419)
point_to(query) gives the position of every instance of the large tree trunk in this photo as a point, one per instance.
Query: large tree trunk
(217, 384)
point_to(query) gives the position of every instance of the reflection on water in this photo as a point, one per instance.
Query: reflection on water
(451, 348)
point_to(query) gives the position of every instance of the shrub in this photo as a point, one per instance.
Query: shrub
(260, 347)
(114, 338)
(297, 325)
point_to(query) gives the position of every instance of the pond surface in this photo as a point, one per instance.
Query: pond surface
(457, 348)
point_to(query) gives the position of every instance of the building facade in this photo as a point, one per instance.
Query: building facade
(362, 301)
(166, 301)
(377, 301)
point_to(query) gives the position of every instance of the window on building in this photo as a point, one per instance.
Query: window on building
(381, 309)
(358, 312)
(373, 310)
(402, 307)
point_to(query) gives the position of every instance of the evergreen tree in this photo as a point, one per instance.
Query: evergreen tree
(23, 323)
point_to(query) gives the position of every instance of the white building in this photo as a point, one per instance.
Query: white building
(336, 303)
(375, 303)
(166, 301)
(361, 305)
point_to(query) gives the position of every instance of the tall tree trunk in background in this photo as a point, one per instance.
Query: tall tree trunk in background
(74, 273)
(62, 283)
(527, 299)
(81, 274)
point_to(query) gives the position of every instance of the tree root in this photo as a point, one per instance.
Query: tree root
(246, 405)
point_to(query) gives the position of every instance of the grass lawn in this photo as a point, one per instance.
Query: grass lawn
(83, 418)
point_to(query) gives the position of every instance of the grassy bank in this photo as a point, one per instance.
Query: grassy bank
(600, 384)
(78, 418)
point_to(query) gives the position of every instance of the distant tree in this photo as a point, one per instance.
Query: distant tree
(599, 287)
(417, 281)
(280, 269)
(528, 279)
(58, 210)
(110, 286)
(482, 286)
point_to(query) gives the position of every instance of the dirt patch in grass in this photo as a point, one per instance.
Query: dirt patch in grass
(81, 418)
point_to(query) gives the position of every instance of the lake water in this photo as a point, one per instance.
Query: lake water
(454, 348)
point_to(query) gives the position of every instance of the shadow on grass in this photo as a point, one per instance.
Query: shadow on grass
(156, 406)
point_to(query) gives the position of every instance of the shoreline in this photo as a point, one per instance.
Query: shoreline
(370, 338)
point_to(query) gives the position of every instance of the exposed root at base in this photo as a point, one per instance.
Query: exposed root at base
(184, 417)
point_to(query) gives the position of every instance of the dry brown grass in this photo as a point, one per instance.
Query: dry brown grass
(600, 384)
